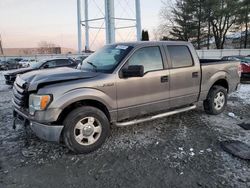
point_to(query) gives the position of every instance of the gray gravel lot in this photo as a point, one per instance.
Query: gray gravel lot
(179, 151)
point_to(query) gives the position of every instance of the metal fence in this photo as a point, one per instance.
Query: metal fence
(218, 54)
(45, 56)
(203, 54)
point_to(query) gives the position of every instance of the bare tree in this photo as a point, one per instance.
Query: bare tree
(185, 20)
(243, 20)
(223, 16)
(167, 20)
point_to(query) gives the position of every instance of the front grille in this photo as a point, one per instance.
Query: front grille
(20, 95)
(7, 77)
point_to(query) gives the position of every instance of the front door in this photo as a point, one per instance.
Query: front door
(142, 95)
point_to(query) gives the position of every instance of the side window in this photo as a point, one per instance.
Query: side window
(180, 56)
(61, 62)
(149, 57)
(50, 64)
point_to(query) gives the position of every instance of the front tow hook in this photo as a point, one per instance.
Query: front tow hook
(14, 123)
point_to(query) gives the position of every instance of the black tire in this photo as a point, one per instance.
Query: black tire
(69, 127)
(209, 103)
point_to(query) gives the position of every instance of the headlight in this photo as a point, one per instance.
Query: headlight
(38, 102)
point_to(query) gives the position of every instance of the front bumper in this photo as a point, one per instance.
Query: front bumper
(47, 132)
(43, 131)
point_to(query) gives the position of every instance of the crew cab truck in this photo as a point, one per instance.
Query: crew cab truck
(121, 84)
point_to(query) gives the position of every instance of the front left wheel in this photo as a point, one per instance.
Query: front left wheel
(85, 129)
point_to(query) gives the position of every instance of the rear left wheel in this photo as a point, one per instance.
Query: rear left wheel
(216, 100)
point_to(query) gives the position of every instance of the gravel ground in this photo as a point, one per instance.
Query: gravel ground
(179, 151)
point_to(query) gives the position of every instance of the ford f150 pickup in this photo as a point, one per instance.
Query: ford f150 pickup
(121, 84)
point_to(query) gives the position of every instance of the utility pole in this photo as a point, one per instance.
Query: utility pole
(79, 25)
(86, 15)
(138, 19)
(1, 47)
(110, 21)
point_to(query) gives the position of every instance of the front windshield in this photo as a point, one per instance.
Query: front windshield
(36, 65)
(106, 59)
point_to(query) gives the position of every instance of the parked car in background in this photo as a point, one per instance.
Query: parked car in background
(243, 59)
(26, 62)
(10, 64)
(79, 59)
(244, 63)
(245, 71)
(121, 84)
(1, 65)
(10, 76)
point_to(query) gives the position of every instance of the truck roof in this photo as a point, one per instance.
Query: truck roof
(146, 43)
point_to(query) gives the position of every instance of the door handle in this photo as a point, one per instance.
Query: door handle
(195, 75)
(164, 79)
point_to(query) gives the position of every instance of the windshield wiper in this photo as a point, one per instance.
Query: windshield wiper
(93, 65)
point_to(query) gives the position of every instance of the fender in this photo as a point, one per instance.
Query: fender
(79, 94)
(208, 81)
(221, 75)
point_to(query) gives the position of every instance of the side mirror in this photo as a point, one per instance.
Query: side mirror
(133, 71)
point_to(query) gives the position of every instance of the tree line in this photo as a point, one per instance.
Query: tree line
(199, 21)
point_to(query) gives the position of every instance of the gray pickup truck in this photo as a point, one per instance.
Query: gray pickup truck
(121, 84)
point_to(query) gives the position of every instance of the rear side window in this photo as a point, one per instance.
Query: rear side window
(149, 57)
(180, 56)
(61, 62)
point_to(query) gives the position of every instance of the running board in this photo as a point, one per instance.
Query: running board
(136, 121)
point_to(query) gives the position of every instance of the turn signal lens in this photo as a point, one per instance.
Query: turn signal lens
(38, 102)
(44, 101)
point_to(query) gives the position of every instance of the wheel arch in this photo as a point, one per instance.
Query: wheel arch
(210, 104)
(85, 102)
(221, 82)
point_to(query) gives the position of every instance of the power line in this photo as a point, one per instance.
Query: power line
(96, 34)
(113, 24)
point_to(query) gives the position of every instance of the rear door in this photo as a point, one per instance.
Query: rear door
(63, 63)
(150, 93)
(185, 76)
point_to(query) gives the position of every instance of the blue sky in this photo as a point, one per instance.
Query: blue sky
(24, 23)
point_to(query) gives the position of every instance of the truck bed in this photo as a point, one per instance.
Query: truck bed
(207, 61)
(212, 69)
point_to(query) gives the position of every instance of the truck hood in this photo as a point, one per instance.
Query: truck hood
(18, 71)
(37, 78)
